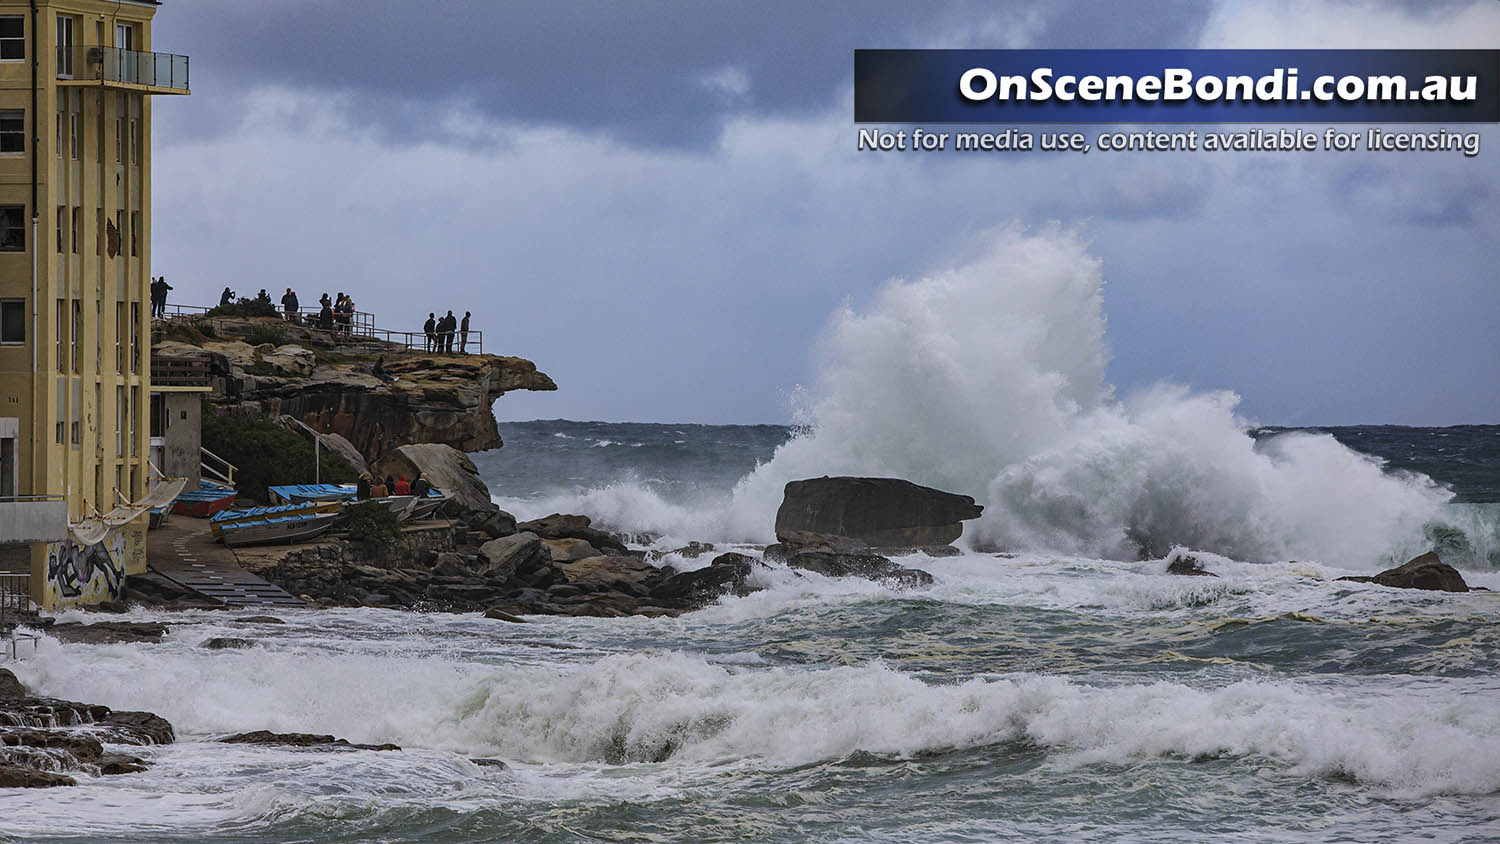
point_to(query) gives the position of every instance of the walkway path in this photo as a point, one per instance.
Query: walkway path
(184, 552)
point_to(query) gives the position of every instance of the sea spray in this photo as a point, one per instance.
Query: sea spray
(988, 379)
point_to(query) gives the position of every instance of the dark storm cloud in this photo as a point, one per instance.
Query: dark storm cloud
(662, 73)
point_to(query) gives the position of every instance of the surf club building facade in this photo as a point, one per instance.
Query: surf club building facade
(77, 78)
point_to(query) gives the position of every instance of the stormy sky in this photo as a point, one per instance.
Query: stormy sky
(662, 203)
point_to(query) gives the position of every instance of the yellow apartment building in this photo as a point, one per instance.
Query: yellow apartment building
(77, 79)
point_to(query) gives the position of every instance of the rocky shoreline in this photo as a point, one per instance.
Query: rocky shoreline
(48, 742)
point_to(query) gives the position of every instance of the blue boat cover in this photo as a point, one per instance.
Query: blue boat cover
(256, 512)
(313, 492)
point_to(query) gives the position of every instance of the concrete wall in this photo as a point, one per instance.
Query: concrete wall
(183, 435)
(33, 521)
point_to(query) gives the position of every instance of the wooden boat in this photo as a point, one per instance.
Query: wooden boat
(278, 530)
(425, 507)
(228, 519)
(208, 499)
(159, 516)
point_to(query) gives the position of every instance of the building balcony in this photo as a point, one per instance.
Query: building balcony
(28, 518)
(124, 70)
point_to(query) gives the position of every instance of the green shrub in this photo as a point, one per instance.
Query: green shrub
(266, 455)
(372, 523)
(245, 308)
(260, 334)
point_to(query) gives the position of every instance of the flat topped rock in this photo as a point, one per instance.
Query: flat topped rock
(848, 512)
(1424, 572)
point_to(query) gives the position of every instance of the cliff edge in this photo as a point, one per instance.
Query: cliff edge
(266, 367)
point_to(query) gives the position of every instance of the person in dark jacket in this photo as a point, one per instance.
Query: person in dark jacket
(450, 322)
(362, 489)
(430, 329)
(227, 297)
(421, 486)
(463, 334)
(290, 305)
(159, 288)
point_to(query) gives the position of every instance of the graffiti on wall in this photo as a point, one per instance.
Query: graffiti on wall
(85, 574)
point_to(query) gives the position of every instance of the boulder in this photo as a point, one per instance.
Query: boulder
(290, 360)
(15, 776)
(108, 632)
(1424, 572)
(300, 740)
(509, 554)
(607, 569)
(494, 524)
(453, 564)
(728, 574)
(220, 643)
(844, 513)
(869, 566)
(1187, 564)
(569, 550)
(561, 526)
(450, 471)
(501, 615)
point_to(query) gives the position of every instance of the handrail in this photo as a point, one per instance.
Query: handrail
(361, 324)
(225, 475)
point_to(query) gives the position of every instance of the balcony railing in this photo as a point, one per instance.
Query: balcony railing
(163, 71)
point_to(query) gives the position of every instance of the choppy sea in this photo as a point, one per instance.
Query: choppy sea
(1054, 684)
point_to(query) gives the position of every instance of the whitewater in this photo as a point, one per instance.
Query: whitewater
(1054, 683)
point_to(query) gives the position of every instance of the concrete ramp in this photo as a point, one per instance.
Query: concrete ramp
(184, 553)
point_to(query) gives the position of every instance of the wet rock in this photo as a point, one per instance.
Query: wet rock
(129, 727)
(562, 526)
(508, 554)
(1424, 572)
(15, 776)
(258, 619)
(501, 615)
(690, 551)
(870, 512)
(908, 578)
(220, 643)
(108, 632)
(727, 574)
(489, 763)
(1188, 565)
(315, 740)
(119, 763)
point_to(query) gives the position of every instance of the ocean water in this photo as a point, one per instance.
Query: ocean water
(1053, 684)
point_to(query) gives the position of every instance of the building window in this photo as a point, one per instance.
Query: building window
(62, 324)
(135, 333)
(77, 412)
(62, 409)
(77, 224)
(12, 130)
(120, 129)
(135, 233)
(65, 46)
(135, 410)
(120, 421)
(12, 38)
(99, 236)
(77, 336)
(119, 336)
(135, 130)
(12, 321)
(12, 228)
(74, 141)
(61, 210)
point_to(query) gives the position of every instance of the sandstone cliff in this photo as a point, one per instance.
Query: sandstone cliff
(267, 367)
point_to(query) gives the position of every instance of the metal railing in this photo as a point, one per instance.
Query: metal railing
(126, 67)
(417, 340)
(223, 472)
(359, 324)
(15, 600)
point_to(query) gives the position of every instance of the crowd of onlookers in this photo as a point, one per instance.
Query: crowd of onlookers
(334, 315)
(372, 487)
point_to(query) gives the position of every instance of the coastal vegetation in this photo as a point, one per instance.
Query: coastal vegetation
(265, 454)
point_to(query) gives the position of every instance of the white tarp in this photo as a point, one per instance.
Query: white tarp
(92, 531)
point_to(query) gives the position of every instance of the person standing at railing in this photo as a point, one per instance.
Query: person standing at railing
(450, 322)
(159, 288)
(227, 297)
(463, 334)
(430, 329)
(289, 305)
